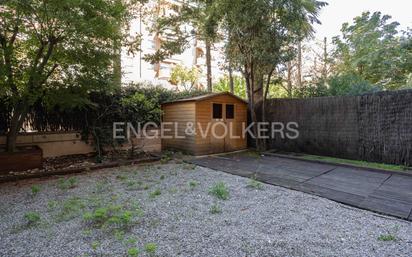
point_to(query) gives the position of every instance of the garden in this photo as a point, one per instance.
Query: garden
(175, 208)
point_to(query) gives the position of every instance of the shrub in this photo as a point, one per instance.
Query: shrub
(220, 191)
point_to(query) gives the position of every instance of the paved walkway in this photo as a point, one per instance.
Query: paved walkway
(382, 192)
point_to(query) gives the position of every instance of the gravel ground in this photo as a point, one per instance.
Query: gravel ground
(171, 207)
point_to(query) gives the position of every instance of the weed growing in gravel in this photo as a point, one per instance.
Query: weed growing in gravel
(35, 189)
(253, 183)
(220, 191)
(150, 248)
(155, 193)
(119, 235)
(52, 204)
(189, 166)
(32, 218)
(131, 241)
(387, 237)
(215, 209)
(116, 216)
(102, 185)
(162, 177)
(95, 245)
(71, 208)
(193, 184)
(65, 184)
(133, 252)
(121, 177)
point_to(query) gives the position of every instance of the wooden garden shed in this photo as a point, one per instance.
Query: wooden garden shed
(217, 119)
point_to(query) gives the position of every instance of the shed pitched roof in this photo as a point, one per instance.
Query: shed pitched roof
(204, 97)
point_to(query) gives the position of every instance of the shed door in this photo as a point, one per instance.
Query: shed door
(230, 140)
(217, 135)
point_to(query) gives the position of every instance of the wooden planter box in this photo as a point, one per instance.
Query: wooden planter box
(26, 158)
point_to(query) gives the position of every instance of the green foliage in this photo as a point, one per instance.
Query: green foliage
(155, 193)
(150, 248)
(220, 191)
(239, 86)
(387, 237)
(65, 184)
(253, 183)
(32, 218)
(110, 216)
(71, 208)
(95, 245)
(185, 77)
(35, 189)
(57, 52)
(372, 50)
(193, 184)
(215, 209)
(133, 252)
(350, 85)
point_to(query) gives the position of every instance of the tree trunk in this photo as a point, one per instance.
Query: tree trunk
(209, 65)
(299, 65)
(265, 96)
(289, 80)
(18, 117)
(231, 83)
(325, 60)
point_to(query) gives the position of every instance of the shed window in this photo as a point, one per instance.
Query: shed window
(230, 111)
(217, 111)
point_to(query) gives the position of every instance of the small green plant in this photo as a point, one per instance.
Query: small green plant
(116, 216)
(162, 177)
(215, 209)
(193, 184)
(155, 193)
(387, 237)
(95, 245)
(189, 166)
(65, 184)
(35, 189)
(220, 191)
(150, 248)
(146, 187)
(121, 177)
(253, 183)
(131, 241)
(102, 185)
(119, 235)
(32, 218)
(133, 252)
(52, 204)
(71, 208)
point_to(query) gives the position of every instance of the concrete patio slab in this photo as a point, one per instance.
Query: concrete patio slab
(382, 192)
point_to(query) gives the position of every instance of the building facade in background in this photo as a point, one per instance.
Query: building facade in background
(135, 69)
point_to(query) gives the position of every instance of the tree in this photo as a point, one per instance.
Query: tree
(186, 77)
(193, 20)
(59, 49)
(260, 33)
(373, 49)
(225, 84)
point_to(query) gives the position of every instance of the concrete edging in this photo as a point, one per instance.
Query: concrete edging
(405, 173)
